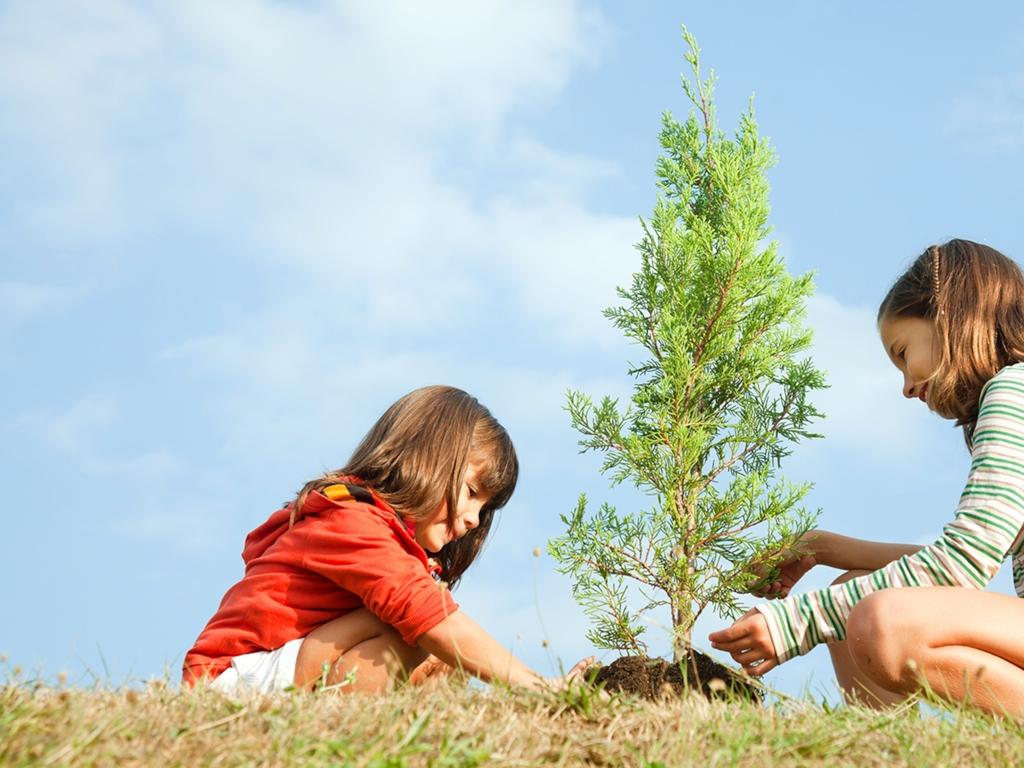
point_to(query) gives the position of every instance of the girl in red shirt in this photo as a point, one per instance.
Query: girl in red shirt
(349, 583)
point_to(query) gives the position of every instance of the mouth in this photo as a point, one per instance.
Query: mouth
(923, 392)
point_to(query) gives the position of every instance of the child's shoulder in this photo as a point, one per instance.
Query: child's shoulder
(352, 506)
(1013, 372)
(349, 492)
(1011, 375)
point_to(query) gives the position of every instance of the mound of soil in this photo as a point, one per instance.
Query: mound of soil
(654, 678)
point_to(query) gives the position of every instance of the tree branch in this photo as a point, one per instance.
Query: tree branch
(710, 477)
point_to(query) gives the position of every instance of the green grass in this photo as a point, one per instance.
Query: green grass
(453, 726)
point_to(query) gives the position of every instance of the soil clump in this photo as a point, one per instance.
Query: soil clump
(654, 678)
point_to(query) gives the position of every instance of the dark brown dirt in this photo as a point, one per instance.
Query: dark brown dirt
(654, 678)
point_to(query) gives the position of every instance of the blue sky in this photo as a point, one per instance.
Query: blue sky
(232, 233)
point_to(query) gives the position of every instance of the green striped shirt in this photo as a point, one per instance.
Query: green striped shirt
(986, 530)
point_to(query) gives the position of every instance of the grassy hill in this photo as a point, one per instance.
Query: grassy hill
(452, 726)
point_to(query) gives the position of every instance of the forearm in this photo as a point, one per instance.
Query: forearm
(848, 553)
(462, 643)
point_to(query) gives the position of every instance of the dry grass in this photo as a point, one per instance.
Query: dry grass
(159, 725)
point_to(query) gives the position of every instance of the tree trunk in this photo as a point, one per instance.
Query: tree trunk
(682, 626)
(682, 599)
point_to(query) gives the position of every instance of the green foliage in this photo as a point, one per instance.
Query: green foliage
(718, 400)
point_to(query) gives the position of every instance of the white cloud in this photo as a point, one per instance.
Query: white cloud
(22, 300)
(990, 115)
(287, 370)
(318, 137)
(189, 527)
(76, 435)
(254, 113)
(566, 264)
(60, 115)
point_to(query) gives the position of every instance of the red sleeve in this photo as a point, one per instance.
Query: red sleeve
(361, 551)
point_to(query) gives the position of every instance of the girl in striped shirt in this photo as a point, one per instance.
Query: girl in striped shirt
(953, 324)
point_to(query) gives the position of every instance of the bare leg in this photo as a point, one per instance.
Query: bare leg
(963, 643)
(376, 665)
(357, 642)
(857, 687)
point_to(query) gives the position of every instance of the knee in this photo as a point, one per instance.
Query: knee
(389, 648)
(377, 664)
(884, 639)
(406, 656)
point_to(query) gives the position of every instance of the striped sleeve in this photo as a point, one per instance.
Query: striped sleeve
(987, 527)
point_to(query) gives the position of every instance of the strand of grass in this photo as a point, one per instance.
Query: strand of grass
(186, 731)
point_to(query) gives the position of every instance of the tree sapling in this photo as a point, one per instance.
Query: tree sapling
(717, 403)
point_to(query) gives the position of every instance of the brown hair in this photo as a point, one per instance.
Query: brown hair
(975, 296)
(415, 458)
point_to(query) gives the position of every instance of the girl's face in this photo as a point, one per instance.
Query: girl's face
(433, 533)
(913, 346)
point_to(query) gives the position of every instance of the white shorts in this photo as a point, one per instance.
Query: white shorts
(261, 671)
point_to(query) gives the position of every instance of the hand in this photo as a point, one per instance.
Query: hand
(793, 566)
(434, 670)
(749, 643)
(575, 675)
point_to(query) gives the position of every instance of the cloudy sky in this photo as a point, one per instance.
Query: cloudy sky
(232, 233)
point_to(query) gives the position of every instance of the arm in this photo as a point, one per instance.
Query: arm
(825, 548)
(988, 521)
(351, 548)
(362, 551)
(462, 643)
(848, 554)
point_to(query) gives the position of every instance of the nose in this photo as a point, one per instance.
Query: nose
(909, 388)
(472, 517)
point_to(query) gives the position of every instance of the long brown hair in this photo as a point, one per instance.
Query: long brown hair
(415, 458)
(975, 296)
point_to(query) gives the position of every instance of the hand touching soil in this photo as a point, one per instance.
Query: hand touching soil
(575, 675)
(749, 643)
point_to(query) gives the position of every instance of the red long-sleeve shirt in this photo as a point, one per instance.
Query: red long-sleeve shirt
(339, 555)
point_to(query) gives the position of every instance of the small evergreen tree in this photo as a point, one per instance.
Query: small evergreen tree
(716, 404)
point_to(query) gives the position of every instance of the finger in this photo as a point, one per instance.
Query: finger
(765, 666)
(736, 646)
(739, 629)
(580, 668)
(766, 590)
(747, 656)
(730, 634)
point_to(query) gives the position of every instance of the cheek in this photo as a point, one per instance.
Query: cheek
(921, 365)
